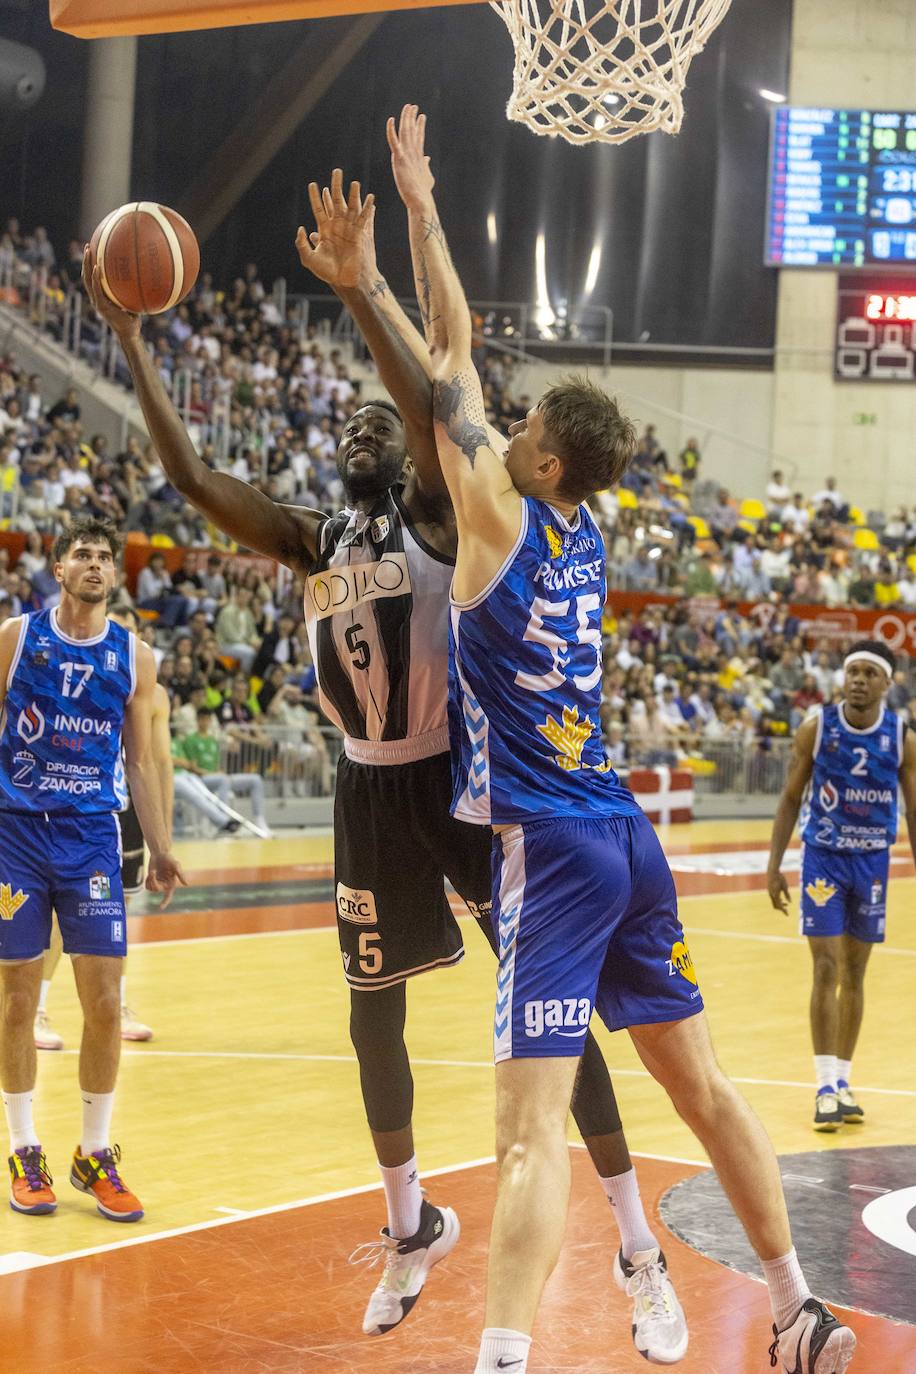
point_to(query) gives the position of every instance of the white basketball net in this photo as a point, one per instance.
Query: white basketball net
(602, 71)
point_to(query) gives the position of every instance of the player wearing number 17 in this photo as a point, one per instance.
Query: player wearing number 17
(71, 684)
(582, 894)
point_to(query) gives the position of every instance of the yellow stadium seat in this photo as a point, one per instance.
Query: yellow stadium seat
(866, 540)
(855, 516)
(911, 562)
(162, 541)
(752, 510)
(673, 479)
(749, 525)
(699, 525)
(626, 499)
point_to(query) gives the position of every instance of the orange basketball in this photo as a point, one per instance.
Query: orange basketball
(148, 257)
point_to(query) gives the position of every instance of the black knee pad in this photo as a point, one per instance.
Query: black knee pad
(594, 1105)
(377, 1032)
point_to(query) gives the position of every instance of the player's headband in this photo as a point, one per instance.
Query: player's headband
(866, 656)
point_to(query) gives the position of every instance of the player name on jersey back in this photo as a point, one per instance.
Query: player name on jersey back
(525, 684)
(60, 744)
(852, 797)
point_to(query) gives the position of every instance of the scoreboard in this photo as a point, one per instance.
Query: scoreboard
(876, 329)
(842, 188)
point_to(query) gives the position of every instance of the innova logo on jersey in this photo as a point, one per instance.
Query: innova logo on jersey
(31, 724)
(343, 589)
(356, 905)
(568, 1017)
(828, 796)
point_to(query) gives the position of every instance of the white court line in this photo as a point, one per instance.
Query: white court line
(27, 1260)
(458, 1064)
(691, 929)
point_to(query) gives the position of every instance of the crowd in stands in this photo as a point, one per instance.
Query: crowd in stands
(265, 399)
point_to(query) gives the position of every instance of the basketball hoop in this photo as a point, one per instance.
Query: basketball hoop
(602, 71)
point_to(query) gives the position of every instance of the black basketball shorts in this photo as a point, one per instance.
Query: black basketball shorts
(131, 851)
(394, 845)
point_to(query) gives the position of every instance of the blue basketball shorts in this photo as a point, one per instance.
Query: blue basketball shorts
(68, 864)
(586, 917)
(844, 894)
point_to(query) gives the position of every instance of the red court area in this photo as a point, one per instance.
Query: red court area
(274, 1294)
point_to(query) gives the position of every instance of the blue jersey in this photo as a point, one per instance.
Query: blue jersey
(525, 681)
(852, 798)
(60, 742)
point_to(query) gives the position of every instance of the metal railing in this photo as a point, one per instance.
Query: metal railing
(756, 769)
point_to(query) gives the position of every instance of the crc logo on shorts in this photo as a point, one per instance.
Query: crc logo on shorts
(343, 589)
(681, 962)
(568, 1017)
(31, 724)
(99, 888)
(23, 764)
(820, 892)
(356, 905)
(829, 797)
(11, 901)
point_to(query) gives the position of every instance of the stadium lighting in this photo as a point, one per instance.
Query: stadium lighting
(544, 316)
(491, 227)
(594, 267)
(773, 96)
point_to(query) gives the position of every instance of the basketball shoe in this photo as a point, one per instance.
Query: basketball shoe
(30, 1190)
(828, 1115)
(407, 1264)
(659, 1325)
(853, 1115)
(131, 1028)
(98, 1174)
(45, 1037)
(815, 1343)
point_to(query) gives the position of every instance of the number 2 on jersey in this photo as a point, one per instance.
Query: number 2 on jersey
(860, 768)
(537, 631)
(71, 688)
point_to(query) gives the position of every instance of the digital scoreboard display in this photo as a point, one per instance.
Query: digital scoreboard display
(875, 329)
(842, 188)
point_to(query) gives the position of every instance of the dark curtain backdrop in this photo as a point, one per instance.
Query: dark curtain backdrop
(679, 221)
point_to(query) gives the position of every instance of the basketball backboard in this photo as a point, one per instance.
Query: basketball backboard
(105, 18)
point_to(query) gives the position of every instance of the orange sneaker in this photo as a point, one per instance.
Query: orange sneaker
(98, 1174)
(30, 1192)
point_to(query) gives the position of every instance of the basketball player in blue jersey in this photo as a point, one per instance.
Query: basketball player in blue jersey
(73, 685)
(583, 899)
(382, 668)
(848, 761)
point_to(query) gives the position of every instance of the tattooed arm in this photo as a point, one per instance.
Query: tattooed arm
(487, 506)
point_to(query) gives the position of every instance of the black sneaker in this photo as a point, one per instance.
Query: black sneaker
(407, 1264)
(853, 1115)
(828, 1115)
(815, 1343)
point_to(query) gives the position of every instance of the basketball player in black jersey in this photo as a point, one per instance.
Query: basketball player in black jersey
(395, 841)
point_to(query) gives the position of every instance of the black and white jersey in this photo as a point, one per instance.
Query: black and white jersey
(376, 610)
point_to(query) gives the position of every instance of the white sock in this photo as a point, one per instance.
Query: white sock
(623, 1194)
(787, 1286)
(404, 1198)
(18, 1108)
(825, 1071)
(844, 1072)
(124, 990)
(509, 1348)
(97, 1110)
(43, 994)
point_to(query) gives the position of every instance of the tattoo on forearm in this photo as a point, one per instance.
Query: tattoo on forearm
(433, 229)
(380, 288)
(426, 293)
(459, 406)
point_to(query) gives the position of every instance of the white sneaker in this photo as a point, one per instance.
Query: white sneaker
(131, 1028)
(815, 1343)
(659, 1325)
(45, 1037)
(407, 1263)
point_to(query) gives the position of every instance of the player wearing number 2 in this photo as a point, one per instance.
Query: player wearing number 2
(583, 899)
(847, 762)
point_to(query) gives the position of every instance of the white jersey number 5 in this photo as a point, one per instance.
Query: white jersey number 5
(588, 632)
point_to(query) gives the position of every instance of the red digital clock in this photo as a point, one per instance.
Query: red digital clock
(890, 307)
(876, 329)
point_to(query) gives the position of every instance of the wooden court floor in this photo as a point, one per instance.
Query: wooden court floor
(242, 1132)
